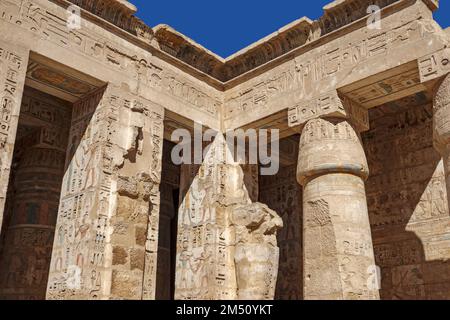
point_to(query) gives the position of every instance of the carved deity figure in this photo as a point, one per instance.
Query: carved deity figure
(256, 256)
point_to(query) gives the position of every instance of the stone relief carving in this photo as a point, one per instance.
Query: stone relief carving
(329, 105)
(434, 65)
(297, 34)
(214, 239)
(50, 25)
(340, 13)
(30, 212)
(338, 248)
(407, 201)
(110, 191)
(119, 13)
(107, 234)
(256, 253)
(300, 78)
(13, 62)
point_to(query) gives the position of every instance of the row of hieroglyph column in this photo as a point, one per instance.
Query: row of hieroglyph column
(332, 168)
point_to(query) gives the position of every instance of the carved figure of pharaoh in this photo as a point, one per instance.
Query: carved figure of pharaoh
(256, 252)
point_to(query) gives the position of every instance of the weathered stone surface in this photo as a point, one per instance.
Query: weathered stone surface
(87, 213)
(13, 64)
(256, 251)
(216, 238)
(338, 250)
(283, 194)
(407, 200)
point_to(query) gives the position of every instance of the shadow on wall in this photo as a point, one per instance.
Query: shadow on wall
(283, 194)
(407, 202)
(168, 218)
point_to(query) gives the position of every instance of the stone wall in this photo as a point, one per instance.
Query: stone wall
(13, 65)
(283, 194)
(319, 82)
(407, 202)
(226, 247)
(107, 231)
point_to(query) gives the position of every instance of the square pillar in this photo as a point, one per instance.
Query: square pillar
(106, 234)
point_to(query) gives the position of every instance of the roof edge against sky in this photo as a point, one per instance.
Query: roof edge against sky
(337, 14)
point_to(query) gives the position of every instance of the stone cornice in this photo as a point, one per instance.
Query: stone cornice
(302, 33)
(296, 34)
(120, 13)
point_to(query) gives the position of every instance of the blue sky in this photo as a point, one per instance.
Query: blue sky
(226, 27)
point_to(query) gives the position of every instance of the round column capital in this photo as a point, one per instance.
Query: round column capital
(330, 147)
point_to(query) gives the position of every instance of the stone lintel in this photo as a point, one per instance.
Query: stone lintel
(329, 105)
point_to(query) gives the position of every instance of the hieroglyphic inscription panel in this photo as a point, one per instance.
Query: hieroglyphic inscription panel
(142, 71)
(31, 208)
(407, 201)
(109, 197)
(226, 247)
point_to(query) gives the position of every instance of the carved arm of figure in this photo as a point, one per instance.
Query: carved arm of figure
(257, 253)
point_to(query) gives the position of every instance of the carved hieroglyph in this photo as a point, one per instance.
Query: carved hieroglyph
(441, 121)
(31, 208)
(13, 65)
(338, 251)
(321, 76)
(226, 244)
(297, 82)
(110, 195)
(407, 200)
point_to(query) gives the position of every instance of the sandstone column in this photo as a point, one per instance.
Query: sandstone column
(332, 167)
(13, 67)
(441, 124)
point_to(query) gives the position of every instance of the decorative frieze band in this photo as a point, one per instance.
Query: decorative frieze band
(50, 24)
(120, 13)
